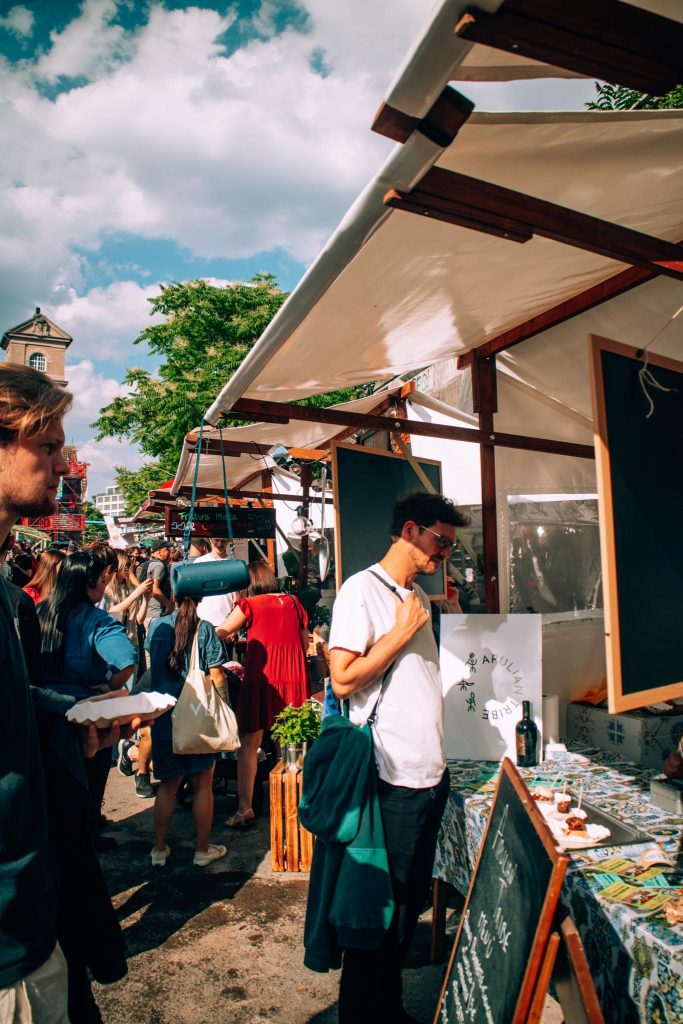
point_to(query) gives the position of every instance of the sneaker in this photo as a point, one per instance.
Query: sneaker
(125, 764)
(143, 787)
(159, 857)
(213, 853)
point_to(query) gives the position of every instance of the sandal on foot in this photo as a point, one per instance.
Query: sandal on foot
(240, 820)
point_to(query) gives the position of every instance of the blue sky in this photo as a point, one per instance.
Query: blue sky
(146, 142)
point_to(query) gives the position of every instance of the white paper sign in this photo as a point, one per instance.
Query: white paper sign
(489, 665)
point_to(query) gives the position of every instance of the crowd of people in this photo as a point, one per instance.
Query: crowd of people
(75, 624)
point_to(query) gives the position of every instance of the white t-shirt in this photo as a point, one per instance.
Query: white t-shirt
(217, 607)
(408, 730)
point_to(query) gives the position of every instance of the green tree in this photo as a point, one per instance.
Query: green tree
(206, 333)
(618, 97)
(95, 529)
(135, 484)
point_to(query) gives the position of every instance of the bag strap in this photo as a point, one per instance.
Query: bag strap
(373, 714)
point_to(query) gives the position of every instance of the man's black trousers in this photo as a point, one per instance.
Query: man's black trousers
(371, 987)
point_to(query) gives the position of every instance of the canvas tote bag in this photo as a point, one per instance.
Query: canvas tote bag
(203, 723)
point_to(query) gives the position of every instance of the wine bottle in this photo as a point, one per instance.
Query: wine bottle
(526, 737)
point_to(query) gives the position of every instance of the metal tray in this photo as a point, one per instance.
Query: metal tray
(621, 834)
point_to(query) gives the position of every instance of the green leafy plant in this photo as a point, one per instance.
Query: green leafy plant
(296, 726)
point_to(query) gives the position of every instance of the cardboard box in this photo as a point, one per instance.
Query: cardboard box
(637, 736)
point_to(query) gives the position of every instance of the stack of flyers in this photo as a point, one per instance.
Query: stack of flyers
(636, 897)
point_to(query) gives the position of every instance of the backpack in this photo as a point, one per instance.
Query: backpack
(142, 570)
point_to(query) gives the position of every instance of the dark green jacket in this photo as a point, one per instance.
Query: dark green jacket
(350, 899)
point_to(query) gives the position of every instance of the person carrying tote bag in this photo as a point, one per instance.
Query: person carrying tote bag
(203, 721)
(186, 656)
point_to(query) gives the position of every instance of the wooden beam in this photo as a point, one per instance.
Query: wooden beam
(580, 303)
(611, 40)
(484, 394)
(441, 123)
(459, 214)
(212, 446)
(242, 495)
(447, 195)
(249, 408)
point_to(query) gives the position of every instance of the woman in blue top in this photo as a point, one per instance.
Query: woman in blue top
(84, 651)
(169, 642)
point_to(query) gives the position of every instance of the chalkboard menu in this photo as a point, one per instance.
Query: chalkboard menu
(258, 523)
(367, 483)
(508, 915)
(639, 459)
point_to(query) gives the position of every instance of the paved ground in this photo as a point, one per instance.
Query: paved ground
(222, 943)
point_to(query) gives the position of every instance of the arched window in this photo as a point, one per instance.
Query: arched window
(38, 361)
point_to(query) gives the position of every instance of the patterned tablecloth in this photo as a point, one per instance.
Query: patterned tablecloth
(636, 961)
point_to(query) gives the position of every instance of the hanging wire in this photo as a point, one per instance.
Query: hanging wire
(645, 375)
(226, 496)
(187, 537)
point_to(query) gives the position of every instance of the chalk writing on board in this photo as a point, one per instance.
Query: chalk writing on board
(469, 988)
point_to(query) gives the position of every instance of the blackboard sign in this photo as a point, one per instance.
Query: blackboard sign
(367, 483)
(639, 461)
(508, 914)
(258, 523)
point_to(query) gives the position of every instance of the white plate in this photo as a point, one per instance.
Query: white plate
(102, 711)
(596, 833)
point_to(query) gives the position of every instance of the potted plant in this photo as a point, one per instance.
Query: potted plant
(294, 728)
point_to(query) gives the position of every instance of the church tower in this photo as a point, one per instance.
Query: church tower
(39, 343)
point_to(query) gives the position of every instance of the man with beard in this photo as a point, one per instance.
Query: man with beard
(382, 646)
(35, 905)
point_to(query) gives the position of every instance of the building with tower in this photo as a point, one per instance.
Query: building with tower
(41, 344)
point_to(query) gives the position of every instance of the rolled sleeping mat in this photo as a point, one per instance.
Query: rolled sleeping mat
(208, 579)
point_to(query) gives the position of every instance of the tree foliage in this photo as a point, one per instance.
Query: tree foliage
(135, 484)
(618, 97)
(205, 335)
(95, 529)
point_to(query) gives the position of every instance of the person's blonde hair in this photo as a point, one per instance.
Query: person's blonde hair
(29, 402)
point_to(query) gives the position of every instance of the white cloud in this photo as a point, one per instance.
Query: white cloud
(171, 138)
(102, 457)
(18, 21)
(92, 390)
(105, 321)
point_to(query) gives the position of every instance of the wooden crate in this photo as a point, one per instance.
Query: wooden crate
(291, 846)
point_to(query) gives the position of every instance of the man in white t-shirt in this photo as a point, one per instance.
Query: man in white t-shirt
(217, 607)
(381, 630)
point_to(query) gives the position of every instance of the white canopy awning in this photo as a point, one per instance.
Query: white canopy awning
(393, 292)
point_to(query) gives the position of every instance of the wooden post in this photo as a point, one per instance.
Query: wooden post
(291, 821)
(305, 837)
(277, 844)
(485, 401)
(306, 474)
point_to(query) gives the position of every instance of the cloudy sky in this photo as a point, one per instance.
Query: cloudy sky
(146, 142)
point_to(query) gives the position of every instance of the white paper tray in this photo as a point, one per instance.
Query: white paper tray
(101, 711)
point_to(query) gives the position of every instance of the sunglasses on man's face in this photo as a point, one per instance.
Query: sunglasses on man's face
(443, 543)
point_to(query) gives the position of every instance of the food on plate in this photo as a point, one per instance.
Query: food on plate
(576, 820)
(563, 802)
(543, 794)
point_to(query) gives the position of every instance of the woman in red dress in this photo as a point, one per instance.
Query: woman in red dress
(275, 671)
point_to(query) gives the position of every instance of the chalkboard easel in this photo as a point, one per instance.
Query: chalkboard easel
(504, 931)
(639, 463)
